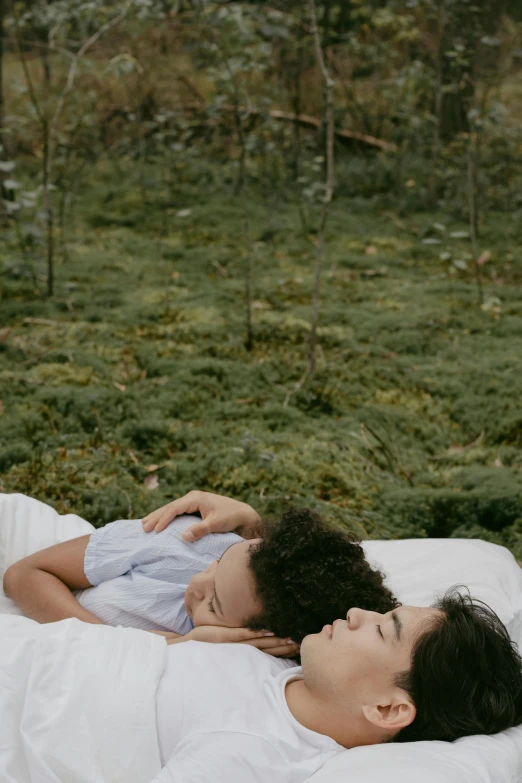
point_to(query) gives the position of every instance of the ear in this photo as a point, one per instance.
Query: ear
(391, 717)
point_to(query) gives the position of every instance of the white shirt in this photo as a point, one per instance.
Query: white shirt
(223, 718)
(140, 578)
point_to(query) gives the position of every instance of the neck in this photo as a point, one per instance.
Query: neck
(348, 727)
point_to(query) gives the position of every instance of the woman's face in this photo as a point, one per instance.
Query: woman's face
(224, 594)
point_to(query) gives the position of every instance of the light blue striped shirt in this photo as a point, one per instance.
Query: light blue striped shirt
(139, 579)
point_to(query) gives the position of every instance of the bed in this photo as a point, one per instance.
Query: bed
(416, 569)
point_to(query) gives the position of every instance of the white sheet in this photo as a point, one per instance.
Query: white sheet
(78, 701)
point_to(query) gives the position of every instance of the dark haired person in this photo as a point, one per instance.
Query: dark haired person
(226, 713)
(283, 585)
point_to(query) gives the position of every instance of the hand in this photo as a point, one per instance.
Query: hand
(262, 640)
(219, 515)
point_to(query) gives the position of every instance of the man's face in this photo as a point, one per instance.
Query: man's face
(224, 594)
(358, 658)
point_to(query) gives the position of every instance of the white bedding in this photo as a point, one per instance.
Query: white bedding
(71, 736)
(78, 701)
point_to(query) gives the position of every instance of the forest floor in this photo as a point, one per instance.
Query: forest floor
(133, 385)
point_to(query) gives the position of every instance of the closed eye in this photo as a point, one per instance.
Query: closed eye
(380, 632)
(210, 606)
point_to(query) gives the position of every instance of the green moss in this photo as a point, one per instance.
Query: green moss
(410, 427)
(12, 455)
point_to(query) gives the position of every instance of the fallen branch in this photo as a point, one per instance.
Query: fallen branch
(306, 120)
(44, 322)
(347, 135)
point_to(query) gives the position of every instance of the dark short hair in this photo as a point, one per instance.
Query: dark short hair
(308, 574)
(465, 676)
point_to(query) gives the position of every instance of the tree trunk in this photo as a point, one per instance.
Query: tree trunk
(327, 8)
(441, 23)
(242, 145)
(48, 207)
(329, 123)
(462, 56)
(2, 17)
(296, 104)
(473, 211)
(46, 64)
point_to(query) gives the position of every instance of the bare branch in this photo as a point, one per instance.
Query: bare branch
(71, 76)
(25, 68)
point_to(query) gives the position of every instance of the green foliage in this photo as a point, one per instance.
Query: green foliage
(135, 373)
(411, 426)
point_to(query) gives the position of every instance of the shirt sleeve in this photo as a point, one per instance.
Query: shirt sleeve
(222, 757)
(119, 547)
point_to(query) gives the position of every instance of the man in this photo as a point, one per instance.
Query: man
(229, 713)
(410, 674)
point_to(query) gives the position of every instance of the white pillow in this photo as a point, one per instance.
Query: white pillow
(418, 570)
(27, 526)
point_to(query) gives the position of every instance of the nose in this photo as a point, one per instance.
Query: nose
(198, 585)
(356, 617)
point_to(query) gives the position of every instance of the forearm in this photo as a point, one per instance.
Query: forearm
(45, 598)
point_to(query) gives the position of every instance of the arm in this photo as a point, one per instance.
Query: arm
(219, 514)
(41, 584)
(219, 634)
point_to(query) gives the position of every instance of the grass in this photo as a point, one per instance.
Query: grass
(136, 374)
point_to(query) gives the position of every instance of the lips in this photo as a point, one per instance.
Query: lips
(187, 603)
(328, 630)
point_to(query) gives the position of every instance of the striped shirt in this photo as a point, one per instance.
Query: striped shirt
(139, 579)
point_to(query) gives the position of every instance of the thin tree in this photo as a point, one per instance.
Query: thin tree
(2, 18)
(49, 123)
(329, 189)
(473, 211)
(2, 140)
(329, 122)
(441, 24)
(249, 336)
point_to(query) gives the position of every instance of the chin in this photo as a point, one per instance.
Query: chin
(308, 645)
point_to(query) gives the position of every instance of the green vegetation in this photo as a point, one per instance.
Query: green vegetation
(412, 425)
(166, 224)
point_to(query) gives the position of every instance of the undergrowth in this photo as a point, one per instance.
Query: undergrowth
(135, 374)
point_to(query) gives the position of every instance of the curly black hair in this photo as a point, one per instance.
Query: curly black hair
(308, 574)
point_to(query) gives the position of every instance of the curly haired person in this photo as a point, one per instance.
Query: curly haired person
(270, 591)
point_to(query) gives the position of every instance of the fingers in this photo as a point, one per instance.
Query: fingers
(198, 530)
(246, 635)
(161, 518)
(152, 521)
(269, 643)
(280, 650)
